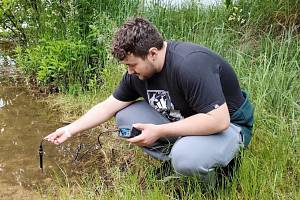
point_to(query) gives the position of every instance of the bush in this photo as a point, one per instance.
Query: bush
(69, 65)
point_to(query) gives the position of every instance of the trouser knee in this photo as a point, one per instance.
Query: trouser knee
(186, 167)
(187, 163)
(192, 155)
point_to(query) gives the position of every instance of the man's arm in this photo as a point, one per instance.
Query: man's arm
(95, 116)
(212, 122)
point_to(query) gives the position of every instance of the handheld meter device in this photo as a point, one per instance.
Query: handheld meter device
(137, 112)
(129, 133)
(142, 112)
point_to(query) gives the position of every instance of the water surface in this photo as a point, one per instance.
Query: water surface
(24, 120)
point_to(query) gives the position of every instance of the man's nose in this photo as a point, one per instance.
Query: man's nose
(130, 71)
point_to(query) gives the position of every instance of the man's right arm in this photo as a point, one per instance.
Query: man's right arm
(95, 116)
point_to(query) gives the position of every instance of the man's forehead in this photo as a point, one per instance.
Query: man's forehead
(129, 59)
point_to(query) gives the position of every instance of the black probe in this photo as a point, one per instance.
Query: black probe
(41, 154)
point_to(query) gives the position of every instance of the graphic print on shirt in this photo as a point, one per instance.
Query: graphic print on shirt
(160, 100)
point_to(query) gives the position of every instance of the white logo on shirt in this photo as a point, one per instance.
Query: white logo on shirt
(160, 100)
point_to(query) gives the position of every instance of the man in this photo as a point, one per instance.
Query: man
(191, 86)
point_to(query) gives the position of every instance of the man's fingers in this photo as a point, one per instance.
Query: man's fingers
(139, 126)
(56, 142)
(58, 137)
(134, 139)
(54, 135)
(51, 138)
(48, 136)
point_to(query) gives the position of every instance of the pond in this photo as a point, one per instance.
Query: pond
(24, 120)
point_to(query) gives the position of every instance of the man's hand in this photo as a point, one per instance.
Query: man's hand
(150, 133)
(59, 136)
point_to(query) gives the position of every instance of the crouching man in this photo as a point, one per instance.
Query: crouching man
(194, 112)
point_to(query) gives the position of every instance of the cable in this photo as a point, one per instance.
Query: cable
(77, 151)
(76, 155)
(164, 149)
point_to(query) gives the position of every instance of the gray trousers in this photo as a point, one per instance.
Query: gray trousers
(189, 155)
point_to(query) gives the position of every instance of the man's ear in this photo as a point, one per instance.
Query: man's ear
(153, 52)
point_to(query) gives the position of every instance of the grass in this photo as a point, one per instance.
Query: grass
(268, 67)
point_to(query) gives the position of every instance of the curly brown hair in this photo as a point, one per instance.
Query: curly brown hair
(136, 36)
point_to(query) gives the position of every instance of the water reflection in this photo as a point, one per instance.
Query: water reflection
(2, 104)
(7, 60)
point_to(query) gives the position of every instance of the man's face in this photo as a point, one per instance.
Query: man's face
(143, 68)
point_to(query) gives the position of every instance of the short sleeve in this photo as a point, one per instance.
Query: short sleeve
(126, 90)
(199, 79)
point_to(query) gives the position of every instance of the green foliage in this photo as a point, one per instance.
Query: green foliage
(72, 65)
(92, 23)
(62, 63)
(71, 45)
(26, 20)
(51, 61)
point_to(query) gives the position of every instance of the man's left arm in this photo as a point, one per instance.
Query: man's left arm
(209, 123)
(212, 122)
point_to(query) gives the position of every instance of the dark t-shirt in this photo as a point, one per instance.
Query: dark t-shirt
(193, 80)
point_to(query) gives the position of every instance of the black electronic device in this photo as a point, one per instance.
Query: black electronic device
(129, 133)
